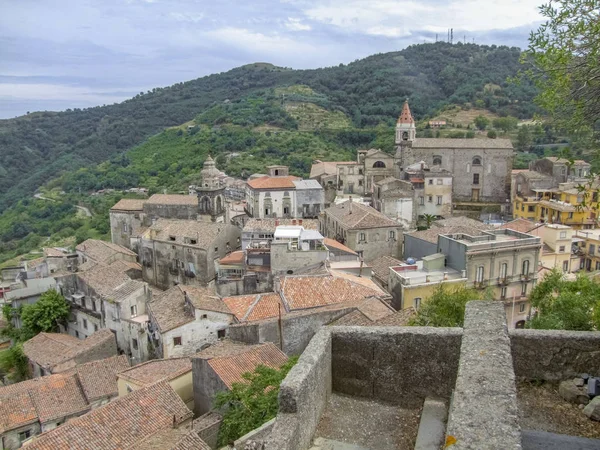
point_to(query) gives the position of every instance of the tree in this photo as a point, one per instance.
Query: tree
(251, 403)
(14, 363)
(523, 139)
(492, 134)
(563, 61)
(481, 122)
(446, 307)
(505, 123)
(44, 315)
(565, 305)
(429, 218)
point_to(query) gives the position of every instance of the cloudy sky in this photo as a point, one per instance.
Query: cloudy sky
(58, 54)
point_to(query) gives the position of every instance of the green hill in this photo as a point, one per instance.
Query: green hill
(362, 95)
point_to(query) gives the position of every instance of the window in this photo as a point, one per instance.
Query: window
(76, 333)
(437, 160)
(134, 343)
(360, 182)
(439, 200)
(563, 234)
(565, 266)
(477, 161)
(522, 308)
(95, 327)
(417, 303)
(177, 340)
(597, 265)
(421, 200)
(591, 249)
(379, 165)
(531, 208)
(440, 181)
(193, 241)
(204, 316)
(23, 436)
(125, 228)
(524, 289)
(93, 304)
(503, 270)
(360, 171)
(171, 238)
(221, 334)
(431, 181)
(475, 178)
(362, 237)
(430, 198)
(286, 210)
(561, 249)
(503, 292)
(85, 323)
(480, 273)
(216, 249)
(133, 311)
(392, 235)
(525, 267)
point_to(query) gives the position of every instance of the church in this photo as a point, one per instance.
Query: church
(481, 168)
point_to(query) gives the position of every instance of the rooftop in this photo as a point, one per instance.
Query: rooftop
(231, 368)
(185, 232)
(521, 225)
(463, 143)
(248, 308)
(327, 167)
(129, 204)
(98, 378)
(307, 184)
(269, 225)
(432, 234)
(173, 439)
(173, 199)
(33, 287)
(104, 280)
(579, 162)
(268, 182)
(417, 275)
(234, 258)
(334, 245)
(381, 266)
(101, 251)
(120, 424)
(156, 370)
(354, 215)
(53, 252)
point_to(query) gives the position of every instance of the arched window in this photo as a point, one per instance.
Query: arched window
(525, 268)
(503, 270)
(379, 165)
(477, 160)
(405, 136)
(479, 277)
(437, 160)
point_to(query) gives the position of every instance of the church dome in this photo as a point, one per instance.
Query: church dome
(210, 173)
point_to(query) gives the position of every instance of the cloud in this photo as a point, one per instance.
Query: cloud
(296, 25)
(186, 17)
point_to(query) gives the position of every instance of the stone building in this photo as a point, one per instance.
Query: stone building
(433, 190)
(281, 195)
(53, 400)
(95, 251)
(60, 260)
(295, 249)
(184, 251)
(397, 200)
(126, 221)
(260, 232)
(562, 170)
(51, 353)
(363, 229)
(211, 193)
(184, 319)
(170, 206)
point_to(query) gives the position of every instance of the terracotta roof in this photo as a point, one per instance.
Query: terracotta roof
(352, 319)
(463, 143)
(51, 349)
(519, 224)
(268, 182)
(156, 370)
(231, 368)
(104, 279)
(381, 266)
(332, 243)
(328, 167)
(301, 292)
(173, 439)
(124, 266)
(354, 215)
(61, 396)
(204, 233)
(269, 225)
(255, 307)
(235, 258)
(394, 319)
(100, 251)
(51, 252)
(99, 378)
(129, 204)
(205, 298)
(405, 115)
(222, 348)
(563, 160)
(173, 199)
(463, 221)
(120, 424)
(16, 410)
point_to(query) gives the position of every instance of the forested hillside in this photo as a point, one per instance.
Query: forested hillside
(364, 94)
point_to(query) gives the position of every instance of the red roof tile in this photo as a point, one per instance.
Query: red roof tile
(255, 307)
(157, 370)
(405, 115)
(268, 182)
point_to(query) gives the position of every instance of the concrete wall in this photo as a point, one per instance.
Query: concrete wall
(554, 355)
(284, 260)
(418, 248)
(401, 365)
(298, 330)
(206, 384)
(123, 225)
(303, 396)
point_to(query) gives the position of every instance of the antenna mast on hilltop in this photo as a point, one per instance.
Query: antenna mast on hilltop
(448, 35)
(436, 37)
(451, 35)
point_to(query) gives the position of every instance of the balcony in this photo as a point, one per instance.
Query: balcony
(502, 281)
(480, 284)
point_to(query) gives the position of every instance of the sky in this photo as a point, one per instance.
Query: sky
(59, 54)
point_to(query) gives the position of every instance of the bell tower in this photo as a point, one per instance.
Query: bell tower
(211, 193)
(405, 135)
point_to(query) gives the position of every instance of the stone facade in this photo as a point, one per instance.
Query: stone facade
(211, 193)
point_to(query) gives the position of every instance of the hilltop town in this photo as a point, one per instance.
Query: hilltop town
(195, 290)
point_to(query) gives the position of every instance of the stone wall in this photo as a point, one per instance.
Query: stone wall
(206, 384)
(554, 355)
(207, 426)
(418, 248)
(303, 396)
(402, 365)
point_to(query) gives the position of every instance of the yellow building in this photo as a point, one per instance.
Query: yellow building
(176, 371)
(589, 245)
(563, 205)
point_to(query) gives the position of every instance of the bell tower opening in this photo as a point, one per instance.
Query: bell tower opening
(405, 127)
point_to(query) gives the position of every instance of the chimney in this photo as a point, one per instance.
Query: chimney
(445, 276)
(350, 205)
(422, 165)
(276, 222)
(293, 221)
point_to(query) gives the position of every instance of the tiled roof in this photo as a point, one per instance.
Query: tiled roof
(563, 207)
(123, 291)
(51, 252)
(462, 221)
(173, 199)
(156, 370)
(205, 298)
(168, 311)
(104, 279)
(100, 251)
(235, 258)
(268, 182)
(269, 225)
(173, 439)
(381, 266)
(124, 266)
(230, 368)
(309, 292)
(120, 424)
(533, 175)
(519, 224)
(16, 410)
(99, 378)
(204, 233)
(255, 307)
(462, 143)
(352, 319)
(328, 167)
(332, 243)
(59, 397)
(51, 349)
(394, 319)
(129, 204)
(222, 348)
(354, 215)
(397, 319)
(307, 184)
(563, 160)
